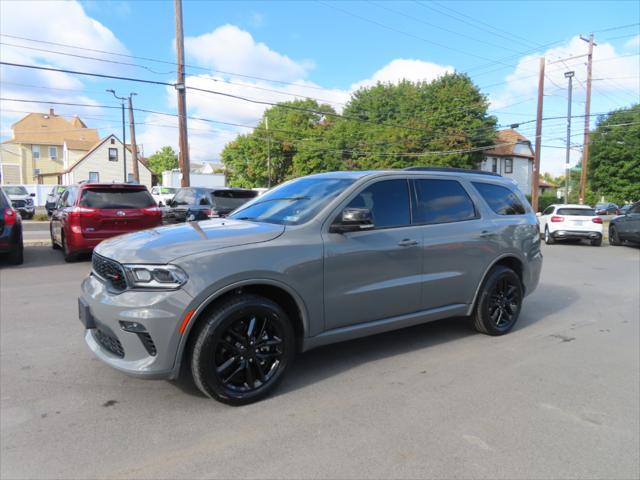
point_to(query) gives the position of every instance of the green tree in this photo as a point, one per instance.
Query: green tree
(614, 159)
(163, 160)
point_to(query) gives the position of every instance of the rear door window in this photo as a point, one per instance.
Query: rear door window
(186, 196)
(231, 199)
(388, 202)
(114, 198)
(501, 199)
(577, 212)
(441, 201)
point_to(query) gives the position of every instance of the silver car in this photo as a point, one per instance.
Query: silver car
(316, 260)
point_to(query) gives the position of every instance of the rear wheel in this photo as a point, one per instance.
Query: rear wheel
(69, 256)
(614, 238)
(499, 302)
(16, 257)
(54, 245)
(548, 239)
(596, 242)
(242, 350)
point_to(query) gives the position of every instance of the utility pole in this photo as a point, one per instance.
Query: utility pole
(124, 140)
(266, 122)
(183, 156)
(587, 118)
(570, 76)
(535, 184)
(134, 146)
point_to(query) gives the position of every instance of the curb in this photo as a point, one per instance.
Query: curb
(37, 243)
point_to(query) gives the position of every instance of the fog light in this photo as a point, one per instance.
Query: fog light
(133, 327)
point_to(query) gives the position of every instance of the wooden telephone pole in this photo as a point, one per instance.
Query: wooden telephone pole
(535, 183)
(134, 146)
(587, 118)
(183, 155)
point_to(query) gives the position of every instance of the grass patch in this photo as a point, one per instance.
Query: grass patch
(40, 217)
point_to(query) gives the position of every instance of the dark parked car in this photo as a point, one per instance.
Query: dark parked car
(52, 198)
(10, 231)
(88, 213)
(625, 208)
(198, 203)
(626, 227)
(607, 209)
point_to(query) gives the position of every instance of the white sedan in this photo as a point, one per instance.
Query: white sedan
(570, 222)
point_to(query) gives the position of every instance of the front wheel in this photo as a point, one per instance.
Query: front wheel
(242, 350)
(499, 302)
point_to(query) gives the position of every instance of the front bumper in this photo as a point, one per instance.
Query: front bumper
(29, 210)
(149, 354)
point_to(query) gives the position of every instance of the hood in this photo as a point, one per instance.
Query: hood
(18, 197)
(164, 244)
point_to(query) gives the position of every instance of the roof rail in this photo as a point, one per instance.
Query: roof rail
(451, 170)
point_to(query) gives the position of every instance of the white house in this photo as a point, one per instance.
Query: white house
(512, 157)
(103, 164)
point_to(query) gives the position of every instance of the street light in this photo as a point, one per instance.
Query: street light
(124, 142)
(568, 75)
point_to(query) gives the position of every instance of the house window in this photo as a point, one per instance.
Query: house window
(94, 177)
(494, 165)
(131, 177)
(113, 154)
(53, 153)
(508, 165)
(35, 151)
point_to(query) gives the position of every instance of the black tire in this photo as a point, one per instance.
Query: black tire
(54, 245)
(68, 255)
(596, 242)
(548, 239)
(226, 339)
(16, 257)
(614, 238)
(500, 296)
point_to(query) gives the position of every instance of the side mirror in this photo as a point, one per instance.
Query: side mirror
(538, 214)
(32, 194)
(353, 220)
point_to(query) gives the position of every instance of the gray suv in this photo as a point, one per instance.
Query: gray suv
(316, 260)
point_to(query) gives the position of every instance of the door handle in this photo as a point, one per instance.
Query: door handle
(407, 242)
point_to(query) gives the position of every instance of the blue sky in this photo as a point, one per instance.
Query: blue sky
(320, 49)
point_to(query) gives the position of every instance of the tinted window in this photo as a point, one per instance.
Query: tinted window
(293, 202)
(501, 200)
(4, 201)
(112, 198)
(635, 208)
(228, 200)
(388, 201)
(186, 196)
(580, 212)
(15, 190)
(440, 201)
(549, 210)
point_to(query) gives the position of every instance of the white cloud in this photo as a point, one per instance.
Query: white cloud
(405, 69)
(228, 48)
(633, 43)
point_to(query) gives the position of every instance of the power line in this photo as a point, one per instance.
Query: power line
(620, 27)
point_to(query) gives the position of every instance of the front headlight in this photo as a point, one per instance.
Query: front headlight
(30, 201)
(155, 276)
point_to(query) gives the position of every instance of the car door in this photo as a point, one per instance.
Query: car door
(373, 274)
(629, 224)
(456, 243)
(65, 201)
(544, 218)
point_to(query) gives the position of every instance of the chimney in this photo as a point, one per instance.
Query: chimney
(51, 112)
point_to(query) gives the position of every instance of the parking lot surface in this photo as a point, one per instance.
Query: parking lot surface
(556, 398)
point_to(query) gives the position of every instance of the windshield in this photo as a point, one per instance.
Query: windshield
(294, 202)
(578, 212)
(15, 190)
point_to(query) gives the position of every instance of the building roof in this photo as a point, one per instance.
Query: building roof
(52, 129)
(84, 145)
(508, 141)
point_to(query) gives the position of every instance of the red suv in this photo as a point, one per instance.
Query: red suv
(88, 213)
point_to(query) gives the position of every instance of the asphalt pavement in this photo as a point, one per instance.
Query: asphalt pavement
(556, 398)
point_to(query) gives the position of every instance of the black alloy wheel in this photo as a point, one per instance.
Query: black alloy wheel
(499, 302)
(614, 238)
(242, 350)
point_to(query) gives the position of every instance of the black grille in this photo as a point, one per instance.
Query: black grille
(147, 341)
(18, 203)
(110, 271)
(110, 343)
